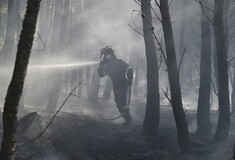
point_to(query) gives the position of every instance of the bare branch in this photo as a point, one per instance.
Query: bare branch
(181, 60)
(135, 30)
(170, 3)
(204, 6)
(197, 65)
(157, 3)
(158, 18)
(152, 29)
(137, 2)
(166, 94)
(213, 85)
(135, 26)
(44, 45)
(231, 60)
(210, 19)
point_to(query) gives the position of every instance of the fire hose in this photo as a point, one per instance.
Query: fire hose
(122, 114)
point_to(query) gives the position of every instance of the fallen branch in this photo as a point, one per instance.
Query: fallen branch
(32, 140)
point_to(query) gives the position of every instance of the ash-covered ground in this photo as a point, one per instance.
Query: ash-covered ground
(81, 131)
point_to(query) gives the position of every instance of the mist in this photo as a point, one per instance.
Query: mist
(81, 106)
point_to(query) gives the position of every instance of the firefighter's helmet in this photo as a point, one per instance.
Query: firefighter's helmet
(107, 52)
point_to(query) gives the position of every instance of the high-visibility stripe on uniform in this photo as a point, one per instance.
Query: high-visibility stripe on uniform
(128, 68)
(108, 47)
(126, 107)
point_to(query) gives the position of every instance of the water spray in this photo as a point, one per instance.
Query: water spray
(52, 66)
(63, 65)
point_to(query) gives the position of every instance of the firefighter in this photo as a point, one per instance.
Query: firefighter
(121, 75)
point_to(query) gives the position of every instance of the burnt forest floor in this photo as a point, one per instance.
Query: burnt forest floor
(80, 133)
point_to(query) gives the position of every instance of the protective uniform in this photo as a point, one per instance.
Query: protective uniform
(121, 75)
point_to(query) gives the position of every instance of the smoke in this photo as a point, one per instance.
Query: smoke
(102, 23)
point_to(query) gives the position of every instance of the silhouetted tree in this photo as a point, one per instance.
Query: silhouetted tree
(224, 109)
(173, 73)
(151, 120)
(17, 82)
(203, 110)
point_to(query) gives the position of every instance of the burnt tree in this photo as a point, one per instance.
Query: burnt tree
(221, 52)
(203, 110)
(173, 74)
(17, 82)
(151, 120)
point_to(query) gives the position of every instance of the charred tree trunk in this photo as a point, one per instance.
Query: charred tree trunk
(203, 110)
(7, 50)
(224, 109)
(151, 120)
(176, 99)
(17, 82)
